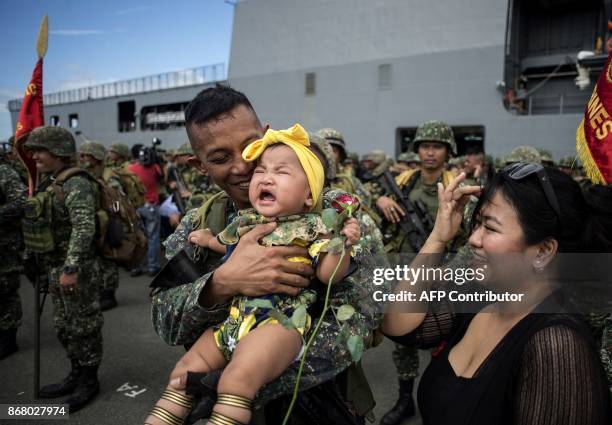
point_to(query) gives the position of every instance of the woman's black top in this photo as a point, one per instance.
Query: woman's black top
(544, 371)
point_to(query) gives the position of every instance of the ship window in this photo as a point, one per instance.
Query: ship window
(467, 137)
(127, 118)
(73, 120)
(55, 121)
(311, 80)
(163, 117)
(384, 76)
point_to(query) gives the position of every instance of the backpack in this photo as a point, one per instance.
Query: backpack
(131, 184)
(119, 233)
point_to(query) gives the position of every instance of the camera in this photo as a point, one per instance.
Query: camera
(149, 155)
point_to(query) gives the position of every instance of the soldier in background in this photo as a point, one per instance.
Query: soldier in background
(524, 154)
(118, 156)
(406, 161)
(546, 157)
(567, 164)
(351, 163)
(60, 224)
(91, 158)
(15, 162)
(12, 200)
(435, 143)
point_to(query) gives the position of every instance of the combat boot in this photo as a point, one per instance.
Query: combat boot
(8, 342)
(107, 299)
(86, 390)
(404, 407)
(65, 387)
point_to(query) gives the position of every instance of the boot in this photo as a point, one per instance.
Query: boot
(404, 407)
(107, 299)
(8, 342)
(67, 386)
(87, 389)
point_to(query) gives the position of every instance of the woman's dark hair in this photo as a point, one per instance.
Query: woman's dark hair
(585, 224)
(212, 102)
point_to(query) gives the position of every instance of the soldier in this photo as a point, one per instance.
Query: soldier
(342, 178)
(546, 157)
(372, 165)
(60, 224)
(118, 156)
(435, 143)
(15, 162)
(567, 164)
(91, 158)
(407, 161)
(524, 154)
(181, 314)
(12, 201)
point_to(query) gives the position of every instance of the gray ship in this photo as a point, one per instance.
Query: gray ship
(503, 73)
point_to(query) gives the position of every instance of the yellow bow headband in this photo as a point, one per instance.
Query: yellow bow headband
(297, 139)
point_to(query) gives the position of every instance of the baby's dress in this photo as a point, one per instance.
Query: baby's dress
(304, 230)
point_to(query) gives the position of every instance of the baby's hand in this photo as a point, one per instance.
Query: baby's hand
(201, 237)
(351, 231)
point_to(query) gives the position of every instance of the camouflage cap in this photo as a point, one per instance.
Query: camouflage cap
(56, 140)
(95, 149)
(408, 157)
(184, 149)
(324, 146)
(334, 137)
(376, 156)
(435, 131)
(120, 149)
(546, 156)
(524, 154)
(567, 161)
(354, 156)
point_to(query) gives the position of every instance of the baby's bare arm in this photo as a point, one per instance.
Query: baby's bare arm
(328, 261)
(206, 239)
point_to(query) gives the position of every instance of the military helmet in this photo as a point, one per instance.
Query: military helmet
(408, 157)
(546, 156)
(184, 149)
(435, 131)
(57, 140)
(334, 137)
(95, 149)
(524, 154)
(120, 149)
(457, 161)
(567, 161)
(376, 156)
(353, 156)
(500, 162)
(324, 146)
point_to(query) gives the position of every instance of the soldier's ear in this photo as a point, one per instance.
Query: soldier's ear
(195, 162)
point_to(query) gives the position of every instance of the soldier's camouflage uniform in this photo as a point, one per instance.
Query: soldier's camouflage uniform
(606, 349)
(12, 202)
(179, 319)
(77, 317)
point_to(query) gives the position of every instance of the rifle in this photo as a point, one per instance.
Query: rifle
(416, 224)
(180, 187)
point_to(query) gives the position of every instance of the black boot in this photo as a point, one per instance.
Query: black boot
(107, 299)
(87, 389)
(404, 407)
(65, 387)
(8, 342)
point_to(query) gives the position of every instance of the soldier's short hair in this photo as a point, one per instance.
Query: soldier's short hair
(212, 102)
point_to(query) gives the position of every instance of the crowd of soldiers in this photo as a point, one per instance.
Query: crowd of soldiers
(82, 284)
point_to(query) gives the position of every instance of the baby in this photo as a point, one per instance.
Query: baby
(286, 187)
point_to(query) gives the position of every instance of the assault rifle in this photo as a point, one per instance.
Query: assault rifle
(416, 224)
(180, 188)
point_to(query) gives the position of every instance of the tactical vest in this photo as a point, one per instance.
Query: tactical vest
(37, 222)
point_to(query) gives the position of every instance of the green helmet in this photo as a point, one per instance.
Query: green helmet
(546, 157)
(354, 156)
(408, 157)
(325, 148)
(524, 154)
(376, 156)
(334, 137)
(184, 149)
(435, 131)
(500, 162)
(58, 141)
(457, 161)
(120, 149)
(567, 162)
(95, 149)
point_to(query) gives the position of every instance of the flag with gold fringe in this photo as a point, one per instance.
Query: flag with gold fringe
(594, 134)
(31, 114)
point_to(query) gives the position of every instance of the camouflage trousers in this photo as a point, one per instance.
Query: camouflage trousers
(77, 317)
(406, 360)
(10, 303)
(110, 275)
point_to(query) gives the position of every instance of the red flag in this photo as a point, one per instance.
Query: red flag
(30, 117)
(594, 134)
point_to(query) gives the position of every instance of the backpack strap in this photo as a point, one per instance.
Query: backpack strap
(63, 176)
(203, 219)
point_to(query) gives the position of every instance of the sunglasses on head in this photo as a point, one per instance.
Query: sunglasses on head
(520, 170)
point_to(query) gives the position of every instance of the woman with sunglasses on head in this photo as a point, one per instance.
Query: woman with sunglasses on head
(511, 364)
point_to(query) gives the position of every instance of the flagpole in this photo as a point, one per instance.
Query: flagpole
(41, 49)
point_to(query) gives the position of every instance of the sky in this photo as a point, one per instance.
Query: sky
(93, 42)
